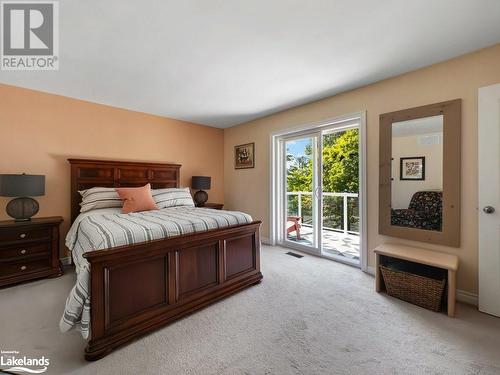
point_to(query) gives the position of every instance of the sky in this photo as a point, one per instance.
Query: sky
(297, 147)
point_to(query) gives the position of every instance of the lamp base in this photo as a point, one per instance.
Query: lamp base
(200, 197)
(22, 209)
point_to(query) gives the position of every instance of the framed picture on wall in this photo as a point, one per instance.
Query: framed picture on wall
(412, 169)
(244, 156)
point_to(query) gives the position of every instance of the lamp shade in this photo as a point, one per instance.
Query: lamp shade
(22, 185)
(201, 182)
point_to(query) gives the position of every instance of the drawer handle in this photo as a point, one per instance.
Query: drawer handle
(22, 235)
(23, 251)
(23, 268)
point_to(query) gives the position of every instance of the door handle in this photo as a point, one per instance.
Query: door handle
(489, 209)
(316, 191)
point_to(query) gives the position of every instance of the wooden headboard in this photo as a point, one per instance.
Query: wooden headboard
(87, 173)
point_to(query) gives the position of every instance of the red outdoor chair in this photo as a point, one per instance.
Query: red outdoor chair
(293, 225)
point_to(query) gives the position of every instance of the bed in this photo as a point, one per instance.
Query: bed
(136, 288)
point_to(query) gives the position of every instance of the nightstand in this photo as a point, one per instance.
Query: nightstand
(29, 250)
(215, 206)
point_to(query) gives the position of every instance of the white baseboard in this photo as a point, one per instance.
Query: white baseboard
(370, 270)
(467, 297)
(66, 261)
(265, 240)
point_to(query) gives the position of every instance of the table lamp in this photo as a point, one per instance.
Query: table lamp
(200, 183)
(23, 186)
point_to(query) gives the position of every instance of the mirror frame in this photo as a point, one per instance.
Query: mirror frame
(452, 118)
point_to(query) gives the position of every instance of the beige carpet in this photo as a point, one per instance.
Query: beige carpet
(308, 316)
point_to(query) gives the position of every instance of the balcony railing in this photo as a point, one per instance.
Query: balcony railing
(346, 216)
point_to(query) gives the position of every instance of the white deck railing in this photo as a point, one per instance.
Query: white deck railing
(345, 196)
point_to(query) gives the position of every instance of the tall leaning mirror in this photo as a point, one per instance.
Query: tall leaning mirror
(419, 177)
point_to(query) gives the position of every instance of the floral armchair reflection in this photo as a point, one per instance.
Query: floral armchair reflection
(425, 211)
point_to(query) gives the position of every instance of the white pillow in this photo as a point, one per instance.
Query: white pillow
(99, 197)
(172, 197)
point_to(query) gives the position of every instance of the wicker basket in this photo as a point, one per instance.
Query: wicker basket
(419, 290)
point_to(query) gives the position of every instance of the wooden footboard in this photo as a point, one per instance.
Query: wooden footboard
(136, 289)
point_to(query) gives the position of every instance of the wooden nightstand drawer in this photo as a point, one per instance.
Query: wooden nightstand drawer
(26, 251)
(23, 267)
(29, 250)
(24, 234)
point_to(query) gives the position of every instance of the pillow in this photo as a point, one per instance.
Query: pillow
(137, 199)
(172, 197)
(99, 197)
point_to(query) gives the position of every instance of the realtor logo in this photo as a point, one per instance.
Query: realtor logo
(30, 39)
(12, 362)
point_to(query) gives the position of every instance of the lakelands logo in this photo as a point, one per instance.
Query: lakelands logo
(29, 35)
(12, 362)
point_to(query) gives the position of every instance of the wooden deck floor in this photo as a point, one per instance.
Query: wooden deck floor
(335, 243)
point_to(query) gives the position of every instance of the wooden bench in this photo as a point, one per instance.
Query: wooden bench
(448, 262)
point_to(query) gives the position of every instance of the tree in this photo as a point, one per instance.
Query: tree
(340, 175)
(299, 173)
(340, 165)
(341, 162)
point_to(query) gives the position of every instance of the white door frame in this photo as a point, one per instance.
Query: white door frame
(276, 219)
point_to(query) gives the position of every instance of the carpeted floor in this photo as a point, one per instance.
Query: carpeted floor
(308, 316)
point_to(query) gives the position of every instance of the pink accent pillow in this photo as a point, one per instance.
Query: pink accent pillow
(137, 199)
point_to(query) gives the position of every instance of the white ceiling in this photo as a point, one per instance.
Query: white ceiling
(424, 125)
(224, 62)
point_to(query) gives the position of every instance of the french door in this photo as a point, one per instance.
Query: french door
(319, 191)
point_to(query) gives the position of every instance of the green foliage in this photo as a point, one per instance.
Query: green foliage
(299, 175)
(341, 162)
(340, 165)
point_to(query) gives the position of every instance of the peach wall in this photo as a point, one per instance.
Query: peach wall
(248, 190)
(39, 131)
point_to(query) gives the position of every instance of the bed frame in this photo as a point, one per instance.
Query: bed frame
(136, 289)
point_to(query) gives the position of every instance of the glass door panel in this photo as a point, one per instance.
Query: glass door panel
(340, 200)
(301, 187)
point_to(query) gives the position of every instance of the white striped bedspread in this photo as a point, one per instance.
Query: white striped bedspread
(107, 228)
